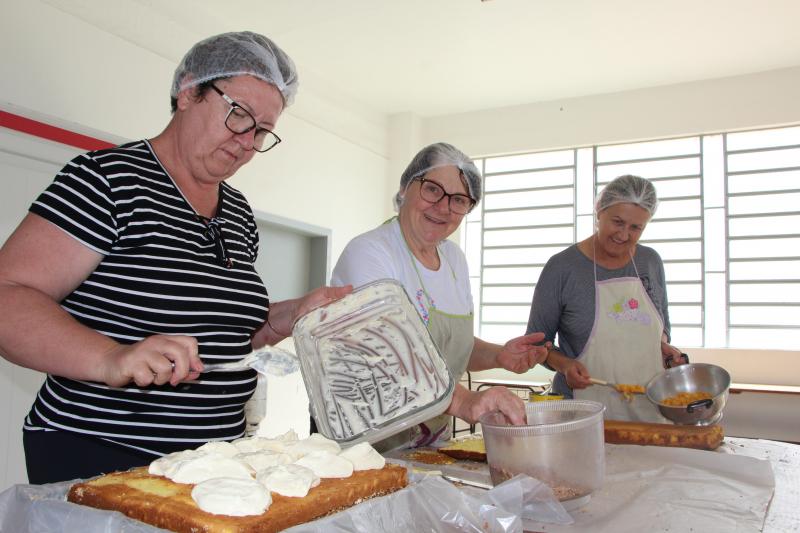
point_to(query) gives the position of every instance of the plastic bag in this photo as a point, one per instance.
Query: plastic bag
(429, 503)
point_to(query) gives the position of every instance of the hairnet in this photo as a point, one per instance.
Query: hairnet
(630, 190)
(441, 155)
(235, 54)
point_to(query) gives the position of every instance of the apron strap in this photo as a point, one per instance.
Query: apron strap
(416, 269)
(594, 261)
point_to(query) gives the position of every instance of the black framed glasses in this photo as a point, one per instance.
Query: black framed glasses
(213, 232)
(433, 191)
(239, 120)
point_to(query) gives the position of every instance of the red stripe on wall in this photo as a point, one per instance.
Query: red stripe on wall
(52, 133)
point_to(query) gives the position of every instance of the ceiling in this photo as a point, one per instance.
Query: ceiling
(436, 57)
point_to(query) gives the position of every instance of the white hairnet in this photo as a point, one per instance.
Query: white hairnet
(441, 155)
(235, 54)
(630, 190)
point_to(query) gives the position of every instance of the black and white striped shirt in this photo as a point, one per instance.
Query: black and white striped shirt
(160, 274)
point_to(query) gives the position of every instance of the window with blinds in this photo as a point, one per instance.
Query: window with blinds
(727, 228)
(763, 238)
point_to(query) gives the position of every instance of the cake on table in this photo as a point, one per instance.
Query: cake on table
(615, 432)
(471, 449)
(253, 484)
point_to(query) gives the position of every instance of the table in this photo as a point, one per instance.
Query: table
(426, 503)
(778, 514)
(784, 512)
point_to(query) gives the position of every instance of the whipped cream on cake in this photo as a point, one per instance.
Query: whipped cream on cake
(231, 478)
(314, 443)
(264, 459)
(221, 447)
(268, 500)
(326, 464)
(204, 466)
(364, 457)
(160, 466)
(288, 480)
(232, 496)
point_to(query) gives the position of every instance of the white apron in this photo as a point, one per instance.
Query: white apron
(624, 347)
(455, 337)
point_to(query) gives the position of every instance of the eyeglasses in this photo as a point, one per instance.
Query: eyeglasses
(213, 233)
(239, 120)
(432, 191)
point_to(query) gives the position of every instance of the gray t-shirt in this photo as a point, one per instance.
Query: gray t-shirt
(563, 301)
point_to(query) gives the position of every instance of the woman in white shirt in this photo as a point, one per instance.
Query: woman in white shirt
(439, 187)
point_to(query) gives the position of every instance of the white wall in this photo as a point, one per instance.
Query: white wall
(753, 101)
(21, 178)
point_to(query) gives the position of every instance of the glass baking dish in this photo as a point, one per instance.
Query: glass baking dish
(370, 366)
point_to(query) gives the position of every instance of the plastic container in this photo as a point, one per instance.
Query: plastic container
(370, 366)
(562, 445)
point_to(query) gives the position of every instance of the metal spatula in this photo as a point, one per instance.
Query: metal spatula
(268, 360)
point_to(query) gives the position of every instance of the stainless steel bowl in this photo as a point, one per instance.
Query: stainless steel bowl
(694, 377)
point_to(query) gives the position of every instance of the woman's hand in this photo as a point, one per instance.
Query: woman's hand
(155, 360)
(470, 405)
(577, 376)
(318, 297)
(523, 353)
(283, 315)
(669, 352)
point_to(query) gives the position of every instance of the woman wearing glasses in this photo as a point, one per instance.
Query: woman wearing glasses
(439, 187)
(135, 268)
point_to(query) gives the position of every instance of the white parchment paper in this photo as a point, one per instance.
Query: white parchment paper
(655, 489)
